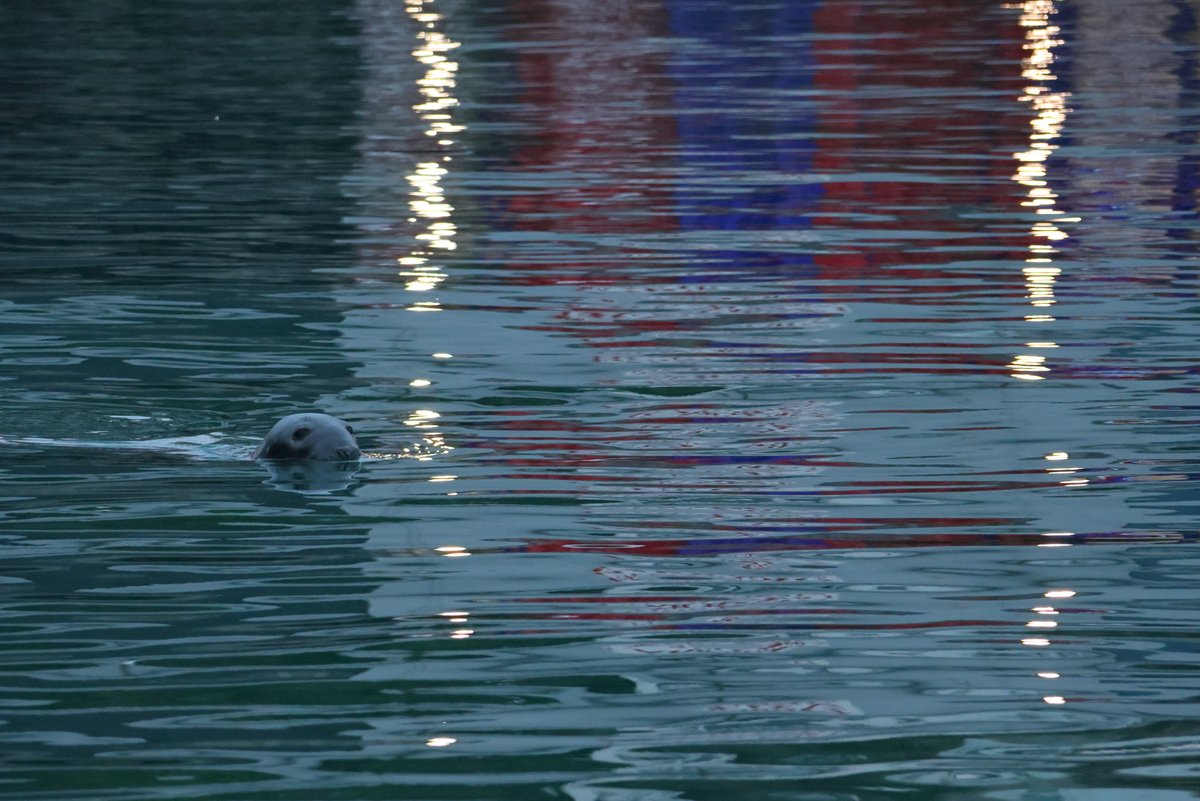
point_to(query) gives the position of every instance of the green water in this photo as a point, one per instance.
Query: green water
(773, 400)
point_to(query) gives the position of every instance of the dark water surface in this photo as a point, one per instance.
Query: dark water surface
(768, 400)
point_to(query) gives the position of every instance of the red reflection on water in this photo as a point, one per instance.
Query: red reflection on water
(710, 546)
(598, 106)
(911, 125)
(939, 57)
(590, 95)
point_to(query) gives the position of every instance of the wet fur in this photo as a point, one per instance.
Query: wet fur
(309, 437)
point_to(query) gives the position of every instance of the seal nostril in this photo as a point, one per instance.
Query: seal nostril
(301, 433)
(277, 451)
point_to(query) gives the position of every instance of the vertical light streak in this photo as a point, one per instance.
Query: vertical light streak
(421, 268)
(1049, 113)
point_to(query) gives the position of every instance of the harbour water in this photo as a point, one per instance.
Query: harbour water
(775, 400)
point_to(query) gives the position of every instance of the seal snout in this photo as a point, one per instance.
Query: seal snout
(309, 436)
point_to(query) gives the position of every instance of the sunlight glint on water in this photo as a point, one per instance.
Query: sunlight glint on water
(1050, 110)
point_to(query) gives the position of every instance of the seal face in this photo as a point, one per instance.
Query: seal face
(309, 437)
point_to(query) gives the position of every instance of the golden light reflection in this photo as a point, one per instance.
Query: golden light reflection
(1049, 112)
(427, 201)
(433, 443)
(1028, 366)
(440, 742)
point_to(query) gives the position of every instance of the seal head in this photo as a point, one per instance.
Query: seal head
(309, 437)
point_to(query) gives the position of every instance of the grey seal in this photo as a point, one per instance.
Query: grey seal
(309, 437)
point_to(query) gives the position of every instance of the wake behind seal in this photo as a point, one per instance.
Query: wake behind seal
(309, 437)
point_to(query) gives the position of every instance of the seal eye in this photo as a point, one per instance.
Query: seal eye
(350, 429)
(301, 433)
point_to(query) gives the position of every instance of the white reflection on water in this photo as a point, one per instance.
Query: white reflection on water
(427, 197)
(406, 223)
(1049, 114)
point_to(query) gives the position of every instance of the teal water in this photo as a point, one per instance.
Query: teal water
(774, 400)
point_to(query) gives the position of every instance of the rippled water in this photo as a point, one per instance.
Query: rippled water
(778, 400)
